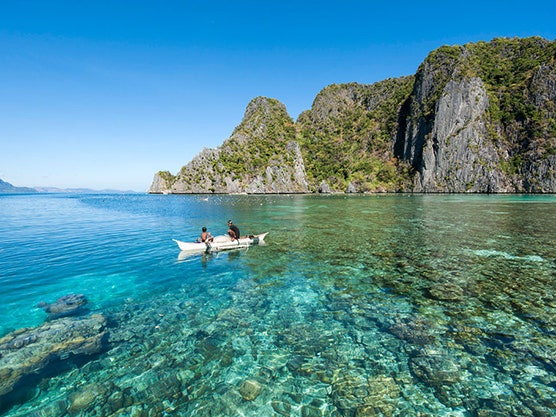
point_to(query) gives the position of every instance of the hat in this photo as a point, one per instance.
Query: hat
(229, 222)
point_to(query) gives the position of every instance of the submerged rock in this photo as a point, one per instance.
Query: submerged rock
(445, 292)
(435, 368)
(68, 305)
(31, 350)
(361, 395)
(250, 389)
(84, 399)
(416, 330)
(281, 407)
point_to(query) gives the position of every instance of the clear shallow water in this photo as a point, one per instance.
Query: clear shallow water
(357, 306)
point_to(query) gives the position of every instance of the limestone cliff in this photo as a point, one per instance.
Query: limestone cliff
(261, 156)
(481, 118)
(474, 118)
(452, 151)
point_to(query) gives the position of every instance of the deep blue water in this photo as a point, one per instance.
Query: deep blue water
(391, 305)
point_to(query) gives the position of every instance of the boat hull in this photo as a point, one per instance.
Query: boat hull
(221, 243)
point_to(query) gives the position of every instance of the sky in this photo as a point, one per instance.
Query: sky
(104, 94)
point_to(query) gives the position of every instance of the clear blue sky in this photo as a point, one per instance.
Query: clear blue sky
(103, 94)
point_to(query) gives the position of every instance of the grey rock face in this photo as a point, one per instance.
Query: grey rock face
(158, 185)
(324, 188)
(457, 140)
(457, 155)
(279, 176)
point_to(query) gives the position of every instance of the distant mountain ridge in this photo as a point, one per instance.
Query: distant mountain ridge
(6, 187)
(474, 118)
(81, 191)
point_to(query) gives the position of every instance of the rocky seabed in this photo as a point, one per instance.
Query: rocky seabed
(292, 347)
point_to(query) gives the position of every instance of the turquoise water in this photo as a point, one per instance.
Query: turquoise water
(389, 305)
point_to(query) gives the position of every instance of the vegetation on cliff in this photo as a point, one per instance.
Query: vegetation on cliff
(262, 135)
(347, 136)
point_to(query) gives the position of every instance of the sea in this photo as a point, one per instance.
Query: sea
(356, 305)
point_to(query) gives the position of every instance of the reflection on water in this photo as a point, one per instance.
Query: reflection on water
(360, 306)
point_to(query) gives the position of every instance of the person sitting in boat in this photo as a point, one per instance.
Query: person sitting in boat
(206, 236)
(233, 230)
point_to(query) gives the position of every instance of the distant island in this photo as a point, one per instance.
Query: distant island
(7, 188)
(477, 118)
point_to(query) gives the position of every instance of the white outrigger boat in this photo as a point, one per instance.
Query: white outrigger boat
(220, 243)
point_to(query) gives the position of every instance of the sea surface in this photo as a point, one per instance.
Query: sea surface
(382, 305)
